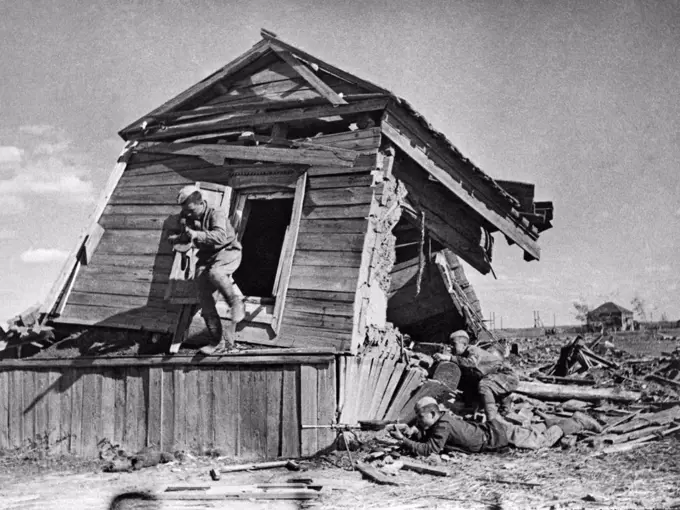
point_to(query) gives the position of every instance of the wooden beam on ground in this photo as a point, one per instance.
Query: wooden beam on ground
(506, 225)
(216, 154)
(566, 392)
(308, 75)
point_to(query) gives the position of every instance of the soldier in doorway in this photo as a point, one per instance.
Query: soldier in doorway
(218, 256)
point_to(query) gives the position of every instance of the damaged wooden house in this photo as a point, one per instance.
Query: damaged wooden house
(354, 214)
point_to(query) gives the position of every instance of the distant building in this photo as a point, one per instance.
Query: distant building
(612, 316)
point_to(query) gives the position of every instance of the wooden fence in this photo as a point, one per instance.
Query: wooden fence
(248, 405)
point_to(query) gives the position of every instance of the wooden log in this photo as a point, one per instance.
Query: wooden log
(631, 445)
(563, 392)
(373, 474)
(423, 469)
(256, 466)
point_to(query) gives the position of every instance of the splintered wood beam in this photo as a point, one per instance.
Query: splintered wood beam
(216, 154)
(228, 121)
(248, 57)
(502, 222)
(272, 39)
(308, 75)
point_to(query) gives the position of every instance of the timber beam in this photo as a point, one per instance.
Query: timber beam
(215, 154)
(228, 121)
(392, 129)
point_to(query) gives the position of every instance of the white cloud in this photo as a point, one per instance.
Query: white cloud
(665, 268)
(43, 255)
(10, 154)
(50, 148)
(36, 129)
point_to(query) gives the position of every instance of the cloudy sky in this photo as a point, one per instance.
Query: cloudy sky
(578, 97)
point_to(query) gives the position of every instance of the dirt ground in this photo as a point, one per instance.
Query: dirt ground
(548, 479)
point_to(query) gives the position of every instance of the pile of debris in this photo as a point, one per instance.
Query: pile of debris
(25, 330)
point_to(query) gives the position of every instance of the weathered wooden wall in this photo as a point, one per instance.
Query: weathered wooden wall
(125, 282)
(247, 406)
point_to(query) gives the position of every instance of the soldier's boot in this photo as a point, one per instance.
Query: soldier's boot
(214, 326)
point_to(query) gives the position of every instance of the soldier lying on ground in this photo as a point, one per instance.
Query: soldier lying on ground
(436, 430)
(218, 256)
(496, 380)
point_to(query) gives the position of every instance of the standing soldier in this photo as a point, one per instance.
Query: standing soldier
(496, 379)
(218, 256)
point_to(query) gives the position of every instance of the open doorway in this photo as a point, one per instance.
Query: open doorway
(263, 235)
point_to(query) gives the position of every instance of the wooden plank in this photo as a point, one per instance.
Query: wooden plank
(118, 273)
(247, 58)
(28, 410)
(359, 140)
(206, 405)
(505, 224)
(114, 300)
(154, 210)
(77, 431)
(364, 180)
(335, 279)
(217, 153)
(167, 407)
(326, 403)
(258, 412)
(319, 306)
(73, 258)
(16, 408)
(290, 422)
(154, 427)
(339, 196)
(281, 357)
(147, 195)
(326, 258)
(108, 405)
(228, 121)
(319, 320)
(314, 212)
(91, 243)
(41, 404)
(289, 252)
(274, 411)
(53, 409)
(248, 97)
(227, 421)
(245, 411)
(120, 382)
(91, 411)
(331, 242)
(309, 444)
(334, 226)
(158, 262)
(4, 410)
(132, 389)
(381, 372)
(179, 409)
(94, 285)
(142, 407)
(314, 337)
(191, 408)
(341, 297)
(309, 76)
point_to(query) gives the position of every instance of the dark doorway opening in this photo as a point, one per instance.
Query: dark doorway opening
(262, 242)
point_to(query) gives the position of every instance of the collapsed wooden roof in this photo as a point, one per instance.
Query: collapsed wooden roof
(331, 94)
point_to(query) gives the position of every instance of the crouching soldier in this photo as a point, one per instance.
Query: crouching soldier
(496, 380)
(218, 256)
(437, 431)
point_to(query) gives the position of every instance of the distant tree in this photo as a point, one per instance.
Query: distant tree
(638, 305)
(664, 317)
(582, 309)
